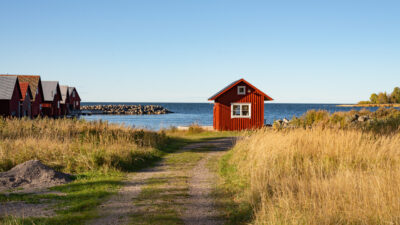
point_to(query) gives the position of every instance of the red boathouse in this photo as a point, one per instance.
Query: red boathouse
(239, 106)
(35, 85)
(10, 96)
(52, 97)
(74, 99)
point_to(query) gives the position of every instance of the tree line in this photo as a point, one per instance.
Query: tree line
(384, 98)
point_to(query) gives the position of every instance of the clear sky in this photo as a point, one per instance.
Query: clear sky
(184, 51)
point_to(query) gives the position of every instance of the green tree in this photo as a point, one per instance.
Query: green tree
(383, 98)
(374, 98)
(395, 96)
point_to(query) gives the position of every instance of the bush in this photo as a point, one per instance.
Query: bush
(384, 120)
(195, 129)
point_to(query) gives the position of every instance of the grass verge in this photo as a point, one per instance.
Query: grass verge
(313, 176)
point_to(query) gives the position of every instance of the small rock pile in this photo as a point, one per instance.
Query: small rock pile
(355, 119)
(32, 174)
(283, 122)
(358, 118)
(126, 109)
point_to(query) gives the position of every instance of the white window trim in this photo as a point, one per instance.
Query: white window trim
(244, 90)
(241, 116)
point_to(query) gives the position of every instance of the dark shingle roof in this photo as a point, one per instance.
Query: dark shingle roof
(49, 90)
(223, 89)
(7, 85)
(33, 81)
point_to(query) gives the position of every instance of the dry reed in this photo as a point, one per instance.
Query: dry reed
(320, 176)
(76, 145)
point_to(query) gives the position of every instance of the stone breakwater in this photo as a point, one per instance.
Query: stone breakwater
(126, 109)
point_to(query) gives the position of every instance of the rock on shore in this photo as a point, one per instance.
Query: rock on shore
(127, 109)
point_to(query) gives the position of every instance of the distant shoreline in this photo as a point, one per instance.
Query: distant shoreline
(369, 105)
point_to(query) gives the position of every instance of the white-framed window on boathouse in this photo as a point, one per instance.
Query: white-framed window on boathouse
(241, 90)
(241, 110)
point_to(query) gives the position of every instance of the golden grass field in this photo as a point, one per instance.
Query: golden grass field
(319, 176)
(76, 145)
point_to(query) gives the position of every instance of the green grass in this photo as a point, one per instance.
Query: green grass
(77, 202)
(80, 198)
(226, 191)
(161, 199)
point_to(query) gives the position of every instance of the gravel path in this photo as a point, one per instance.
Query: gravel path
(200, 207)
(197, 208)
(119, 208)
(24, 210)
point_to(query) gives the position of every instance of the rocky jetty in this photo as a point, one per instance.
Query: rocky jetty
(126, 109)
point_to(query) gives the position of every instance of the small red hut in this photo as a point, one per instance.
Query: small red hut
(10, 96)
(52, 97)
(26, 99)
(74, 99)
(239, 106)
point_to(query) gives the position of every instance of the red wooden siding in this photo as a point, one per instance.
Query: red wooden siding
(222, 108)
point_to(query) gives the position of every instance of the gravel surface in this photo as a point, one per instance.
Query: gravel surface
(24, 210)
(197, 208)
(119, 208)
(200, 207)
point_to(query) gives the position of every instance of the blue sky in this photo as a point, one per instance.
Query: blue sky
(185, 51)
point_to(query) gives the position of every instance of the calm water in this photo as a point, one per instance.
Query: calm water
(202, 113)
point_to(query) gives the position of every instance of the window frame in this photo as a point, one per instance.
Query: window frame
(244, 90)
(241, 111)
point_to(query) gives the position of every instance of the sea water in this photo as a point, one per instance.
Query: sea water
(186, 114)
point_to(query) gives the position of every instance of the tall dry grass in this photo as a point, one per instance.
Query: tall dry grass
(320, 176)
(77, 145)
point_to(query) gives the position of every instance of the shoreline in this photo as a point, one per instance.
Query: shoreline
(369, 105)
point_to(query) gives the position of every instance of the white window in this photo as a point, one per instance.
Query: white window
(241, 90)
(241, 110)
(58, 104)
(73, 94)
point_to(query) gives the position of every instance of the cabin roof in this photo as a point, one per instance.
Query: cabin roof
(49, 90)
(7, 85)
(33, 81)
(233, 84)
(64, 93)
(24, 89)
(71, 89)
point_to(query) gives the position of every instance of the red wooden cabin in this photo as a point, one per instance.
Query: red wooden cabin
(239, 106)
(52, 97)
(74, 99)
(10, 96)
(26, 99)
(35, 85)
